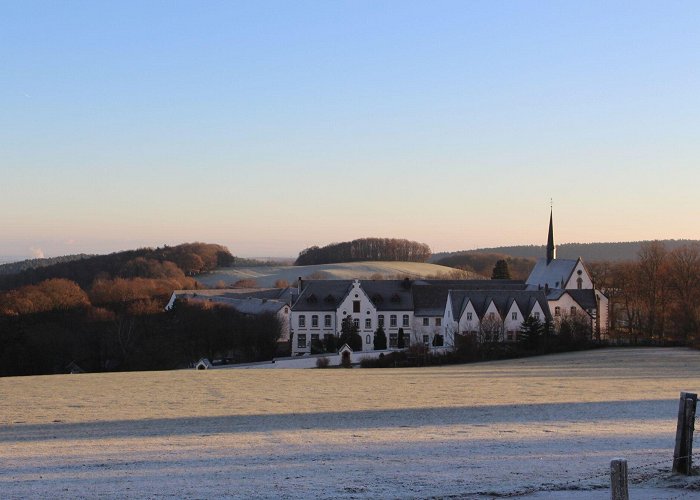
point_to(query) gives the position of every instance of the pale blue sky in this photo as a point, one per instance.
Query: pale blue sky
(273, 126)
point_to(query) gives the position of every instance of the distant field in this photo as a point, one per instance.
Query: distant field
(266, 276)
(548, 424)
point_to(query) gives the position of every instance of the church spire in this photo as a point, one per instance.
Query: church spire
(551, 249)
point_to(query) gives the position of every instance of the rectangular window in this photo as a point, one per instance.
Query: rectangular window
(537, 315)
(314, 337)
(327, 321)
(393, 340)
(573, 310)
(438, 321)
(405, 320)
(301, 341)
(302, 321)
(514, 316)
(426, 321)
(557, 311)
(511, 335)
(314, 321)
(380, 320)
(356, 322)
(426, 339)
(356, 306)
(368, 323)
(392, 321)
(469, 316)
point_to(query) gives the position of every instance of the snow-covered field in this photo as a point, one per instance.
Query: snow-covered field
(542, 427)
(266, 276)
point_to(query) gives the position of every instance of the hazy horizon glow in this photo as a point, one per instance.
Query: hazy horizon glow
(270, 127)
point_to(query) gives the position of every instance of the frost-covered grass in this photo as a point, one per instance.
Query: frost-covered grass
(266, 276)
(547, 425)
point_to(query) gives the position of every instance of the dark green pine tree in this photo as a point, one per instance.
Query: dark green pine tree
(501, 271)
(379, 339)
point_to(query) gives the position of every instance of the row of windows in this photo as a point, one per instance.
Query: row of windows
(314, 321)
(393, 340)
(426, 321)
(393, 320)
(327, 321)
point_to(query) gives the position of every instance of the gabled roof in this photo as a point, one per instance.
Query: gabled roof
(555, 274)
(430, 296)
(502, 299)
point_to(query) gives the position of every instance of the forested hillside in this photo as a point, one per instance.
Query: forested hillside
(590, 252)
(483, 263)
(188, 259)
(106, 313)
(22, 265)
(365, 249)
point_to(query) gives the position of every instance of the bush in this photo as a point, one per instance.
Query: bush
(323, 362)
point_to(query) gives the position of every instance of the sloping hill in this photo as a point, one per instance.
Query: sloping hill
(267, 276)
(590, 252)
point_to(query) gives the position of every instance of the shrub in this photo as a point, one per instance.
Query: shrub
(323, 362)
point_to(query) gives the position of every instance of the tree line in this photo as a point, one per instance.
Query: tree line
(590, 252)
(656, 297)
(190, 258)
(484, 264)
(376, 249)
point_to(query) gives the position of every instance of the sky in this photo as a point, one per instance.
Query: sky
(274, 126)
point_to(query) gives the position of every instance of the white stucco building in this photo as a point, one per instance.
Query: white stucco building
(435, 311)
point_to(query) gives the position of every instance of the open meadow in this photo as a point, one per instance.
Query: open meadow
(266, 276)
(544, 427)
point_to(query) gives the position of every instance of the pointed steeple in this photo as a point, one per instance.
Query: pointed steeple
(551, 249)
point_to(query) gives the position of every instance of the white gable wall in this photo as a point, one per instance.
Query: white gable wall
(487, 322)
(367, 312)
(580, 271)
(512, 326)
(469, 325)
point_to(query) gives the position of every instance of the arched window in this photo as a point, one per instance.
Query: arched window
(579, 282)
(368, 340)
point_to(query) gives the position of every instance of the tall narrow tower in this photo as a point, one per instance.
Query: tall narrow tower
(551, 249)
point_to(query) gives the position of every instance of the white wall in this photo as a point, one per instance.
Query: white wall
(586, 281)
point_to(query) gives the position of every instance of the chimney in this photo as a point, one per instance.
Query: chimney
(300, 285)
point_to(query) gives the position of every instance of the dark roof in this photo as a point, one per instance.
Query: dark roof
(502, 299)
(430, 296)
(585, 298)
(322, 295)
(389, 295)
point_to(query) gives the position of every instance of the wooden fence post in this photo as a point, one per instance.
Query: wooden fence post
(618, 480)
(683, 452)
